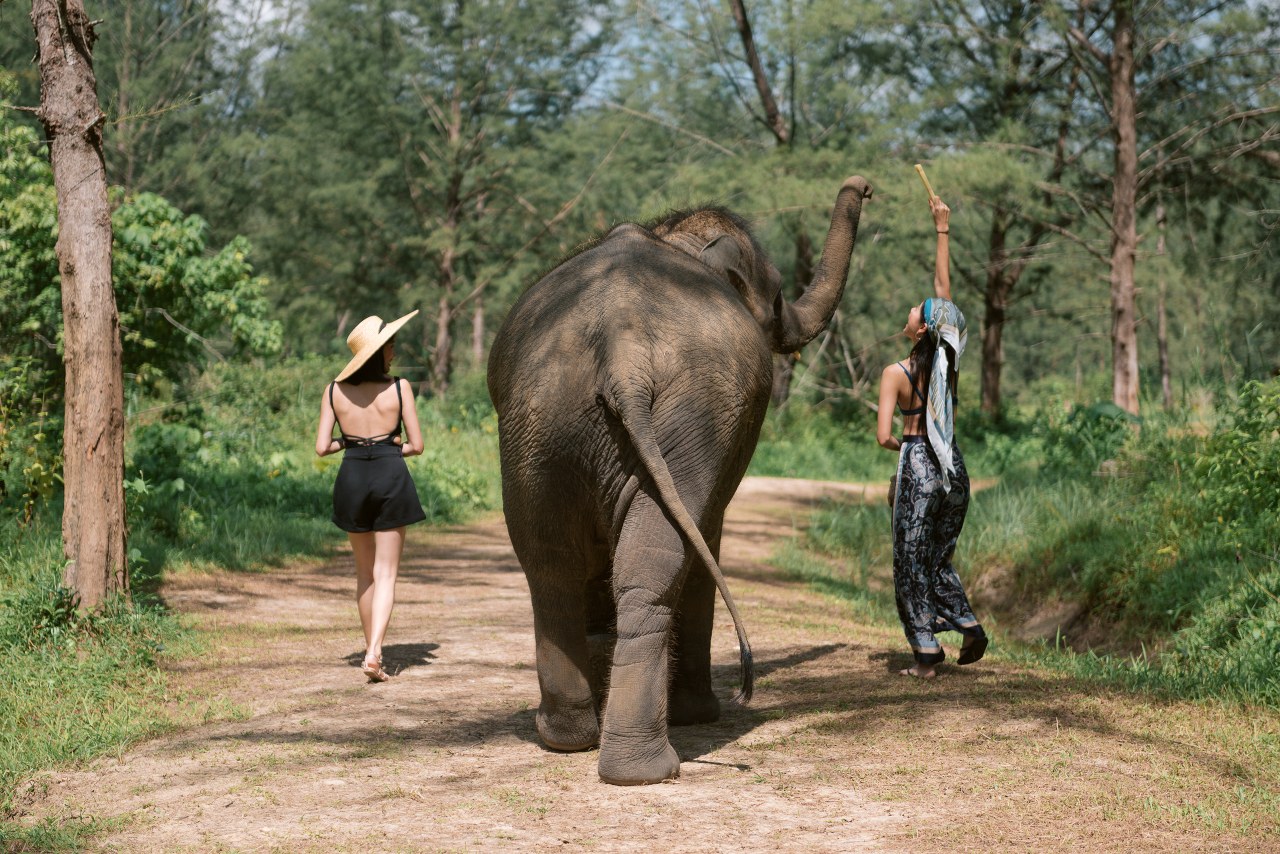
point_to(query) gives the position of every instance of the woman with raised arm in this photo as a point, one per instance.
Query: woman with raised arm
(373, 497)
(932, 486)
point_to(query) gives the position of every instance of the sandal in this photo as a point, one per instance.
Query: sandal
(972, 650)
(372, 668)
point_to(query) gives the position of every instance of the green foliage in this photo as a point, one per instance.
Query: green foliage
(30, 455)
(173, 295)
(1078, 444)
(801, 442)
(1238, 467)
(178, 302)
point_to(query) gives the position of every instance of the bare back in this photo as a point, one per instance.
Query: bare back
(909, 400)
(367, 410)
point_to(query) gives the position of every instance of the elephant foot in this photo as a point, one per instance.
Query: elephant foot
(692, 708)
(625, 768)
(571, 730)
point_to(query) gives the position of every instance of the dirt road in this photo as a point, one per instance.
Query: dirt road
(836, 752)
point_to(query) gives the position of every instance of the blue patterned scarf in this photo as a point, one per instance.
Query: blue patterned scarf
(946, 325)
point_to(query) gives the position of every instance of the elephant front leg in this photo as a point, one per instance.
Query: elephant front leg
(692, 700)
(647, 563)
(567, 717)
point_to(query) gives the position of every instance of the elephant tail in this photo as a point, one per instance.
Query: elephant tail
(638, 422)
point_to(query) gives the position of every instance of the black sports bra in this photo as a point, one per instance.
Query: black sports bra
(914, 410)
(367, 441)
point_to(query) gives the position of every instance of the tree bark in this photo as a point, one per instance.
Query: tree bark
(1162, 326)
(442, 362)
(995, 302)
(477, 334)
(93, 518)
(773, 118)
(1124, 231)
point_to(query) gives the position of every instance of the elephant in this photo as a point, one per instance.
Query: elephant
(630, 384)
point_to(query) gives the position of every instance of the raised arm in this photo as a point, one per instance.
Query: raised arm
(942, 269)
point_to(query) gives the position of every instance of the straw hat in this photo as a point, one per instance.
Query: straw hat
(367, 338)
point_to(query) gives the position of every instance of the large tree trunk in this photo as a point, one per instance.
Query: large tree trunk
(93, 520)
(995, 302)
(1162, 326)
(1124, 230)
(442, 362)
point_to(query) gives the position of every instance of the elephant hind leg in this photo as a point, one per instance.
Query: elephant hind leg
(568, 715)
(692, 700)
(647, 567)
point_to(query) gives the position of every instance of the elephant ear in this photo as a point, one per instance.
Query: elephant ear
(724, 254)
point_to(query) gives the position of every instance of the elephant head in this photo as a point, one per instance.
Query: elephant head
(724, 242)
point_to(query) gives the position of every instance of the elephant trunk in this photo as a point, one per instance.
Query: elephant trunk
(799, 322)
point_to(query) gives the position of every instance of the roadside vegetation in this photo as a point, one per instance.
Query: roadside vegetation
(1162, 545)
(221, 476)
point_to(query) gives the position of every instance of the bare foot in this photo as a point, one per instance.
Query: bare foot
(920, 672)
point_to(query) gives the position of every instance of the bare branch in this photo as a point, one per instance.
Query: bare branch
(204, 342)
(613, 105)
(772, 116)
(1079, 38)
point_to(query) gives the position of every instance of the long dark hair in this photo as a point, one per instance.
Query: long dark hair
(374, 368)
(921, 361)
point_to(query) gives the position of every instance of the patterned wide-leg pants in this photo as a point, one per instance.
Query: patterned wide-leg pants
(926, 525)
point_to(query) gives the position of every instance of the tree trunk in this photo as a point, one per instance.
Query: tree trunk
(477, 334)
(93, 520)
(1124, 230)
(995, 302)
(442, 363)
(773, 119)
(1162, 325)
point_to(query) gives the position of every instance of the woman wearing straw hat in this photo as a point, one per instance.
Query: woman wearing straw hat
(373, 497)
(932, 487)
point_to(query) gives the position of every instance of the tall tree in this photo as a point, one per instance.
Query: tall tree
(156, 63)
(1168, 91)
(390, 135)
(93, 521)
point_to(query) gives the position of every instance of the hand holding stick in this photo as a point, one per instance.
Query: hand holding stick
(924, 179)
(941, 213)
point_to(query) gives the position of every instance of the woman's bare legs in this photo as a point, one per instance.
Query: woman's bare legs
(377, 557)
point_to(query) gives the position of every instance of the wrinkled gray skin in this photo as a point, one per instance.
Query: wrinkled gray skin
(630, 385)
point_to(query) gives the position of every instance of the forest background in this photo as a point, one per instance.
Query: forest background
(282, 169)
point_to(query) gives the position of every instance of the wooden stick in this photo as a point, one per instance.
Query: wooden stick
(925, 180)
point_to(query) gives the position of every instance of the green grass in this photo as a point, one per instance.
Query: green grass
(75, 686)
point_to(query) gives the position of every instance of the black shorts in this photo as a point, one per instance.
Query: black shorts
(374, 491)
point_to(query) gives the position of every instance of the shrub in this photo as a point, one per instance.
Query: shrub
(1090, 435)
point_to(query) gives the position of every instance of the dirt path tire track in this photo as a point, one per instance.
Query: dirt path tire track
(829, 756)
